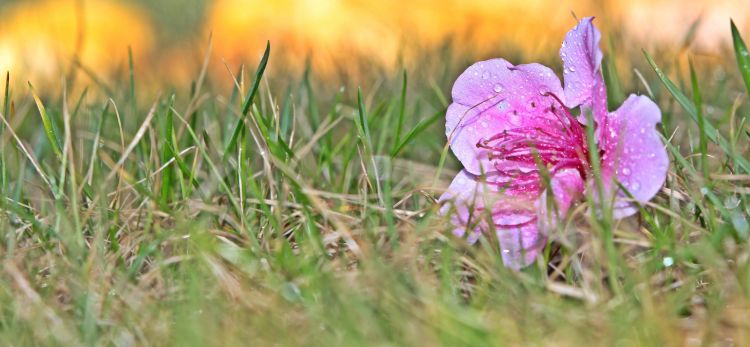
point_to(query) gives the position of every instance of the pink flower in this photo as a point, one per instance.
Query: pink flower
(506, 121)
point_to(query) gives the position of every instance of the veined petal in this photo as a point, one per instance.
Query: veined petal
(582, 58)
(634, 153)
(492, 96)
(514, 218)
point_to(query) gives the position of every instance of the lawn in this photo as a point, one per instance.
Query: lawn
(291, 208)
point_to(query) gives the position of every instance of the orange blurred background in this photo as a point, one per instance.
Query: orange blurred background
(43, 40)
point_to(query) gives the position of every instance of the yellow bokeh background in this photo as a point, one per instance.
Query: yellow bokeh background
(41, 39)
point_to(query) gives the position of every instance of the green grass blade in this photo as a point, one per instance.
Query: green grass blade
(248, 100)
(418, 129)
(698, 101)
(742, 55)
(167, 174)
(401, 111)
(49, 128)
(6, 100)
(689, 107)
(362, 126)
(131, 69)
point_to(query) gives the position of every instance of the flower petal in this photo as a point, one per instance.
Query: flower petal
(634, 152)
(520, 246)
(582, 60)
(566, 186)
(462, 201)
(492, 96)
(514, 218)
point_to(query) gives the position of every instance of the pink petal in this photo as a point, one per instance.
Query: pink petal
(520, 246)
(492, 96)
(521, 223)
(634, 152)
(582, 58)
(514, 218)
(462, 201)
(567, 186)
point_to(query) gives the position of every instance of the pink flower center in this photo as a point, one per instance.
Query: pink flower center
(518, 153)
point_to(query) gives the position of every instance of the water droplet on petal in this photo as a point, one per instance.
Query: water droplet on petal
(485, 75)
(485, 125)
(572, 69)
(635, 186)
(626, 171)
(497, 88)
(501, 106)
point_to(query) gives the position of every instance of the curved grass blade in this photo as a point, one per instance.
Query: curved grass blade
(689, 107)
(248, 100)
(418, 129)
(49, 129)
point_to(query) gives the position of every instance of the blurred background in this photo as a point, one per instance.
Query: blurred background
(87, 40)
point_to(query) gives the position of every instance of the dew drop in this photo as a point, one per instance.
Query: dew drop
(485, 75)
(635, 186)
(667, 261)
(497, 88)
(566, 71)
(626, 171)
(501, 106)
(572, 69)
(485, 125)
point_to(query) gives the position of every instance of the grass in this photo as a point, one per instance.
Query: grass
(292, 212)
